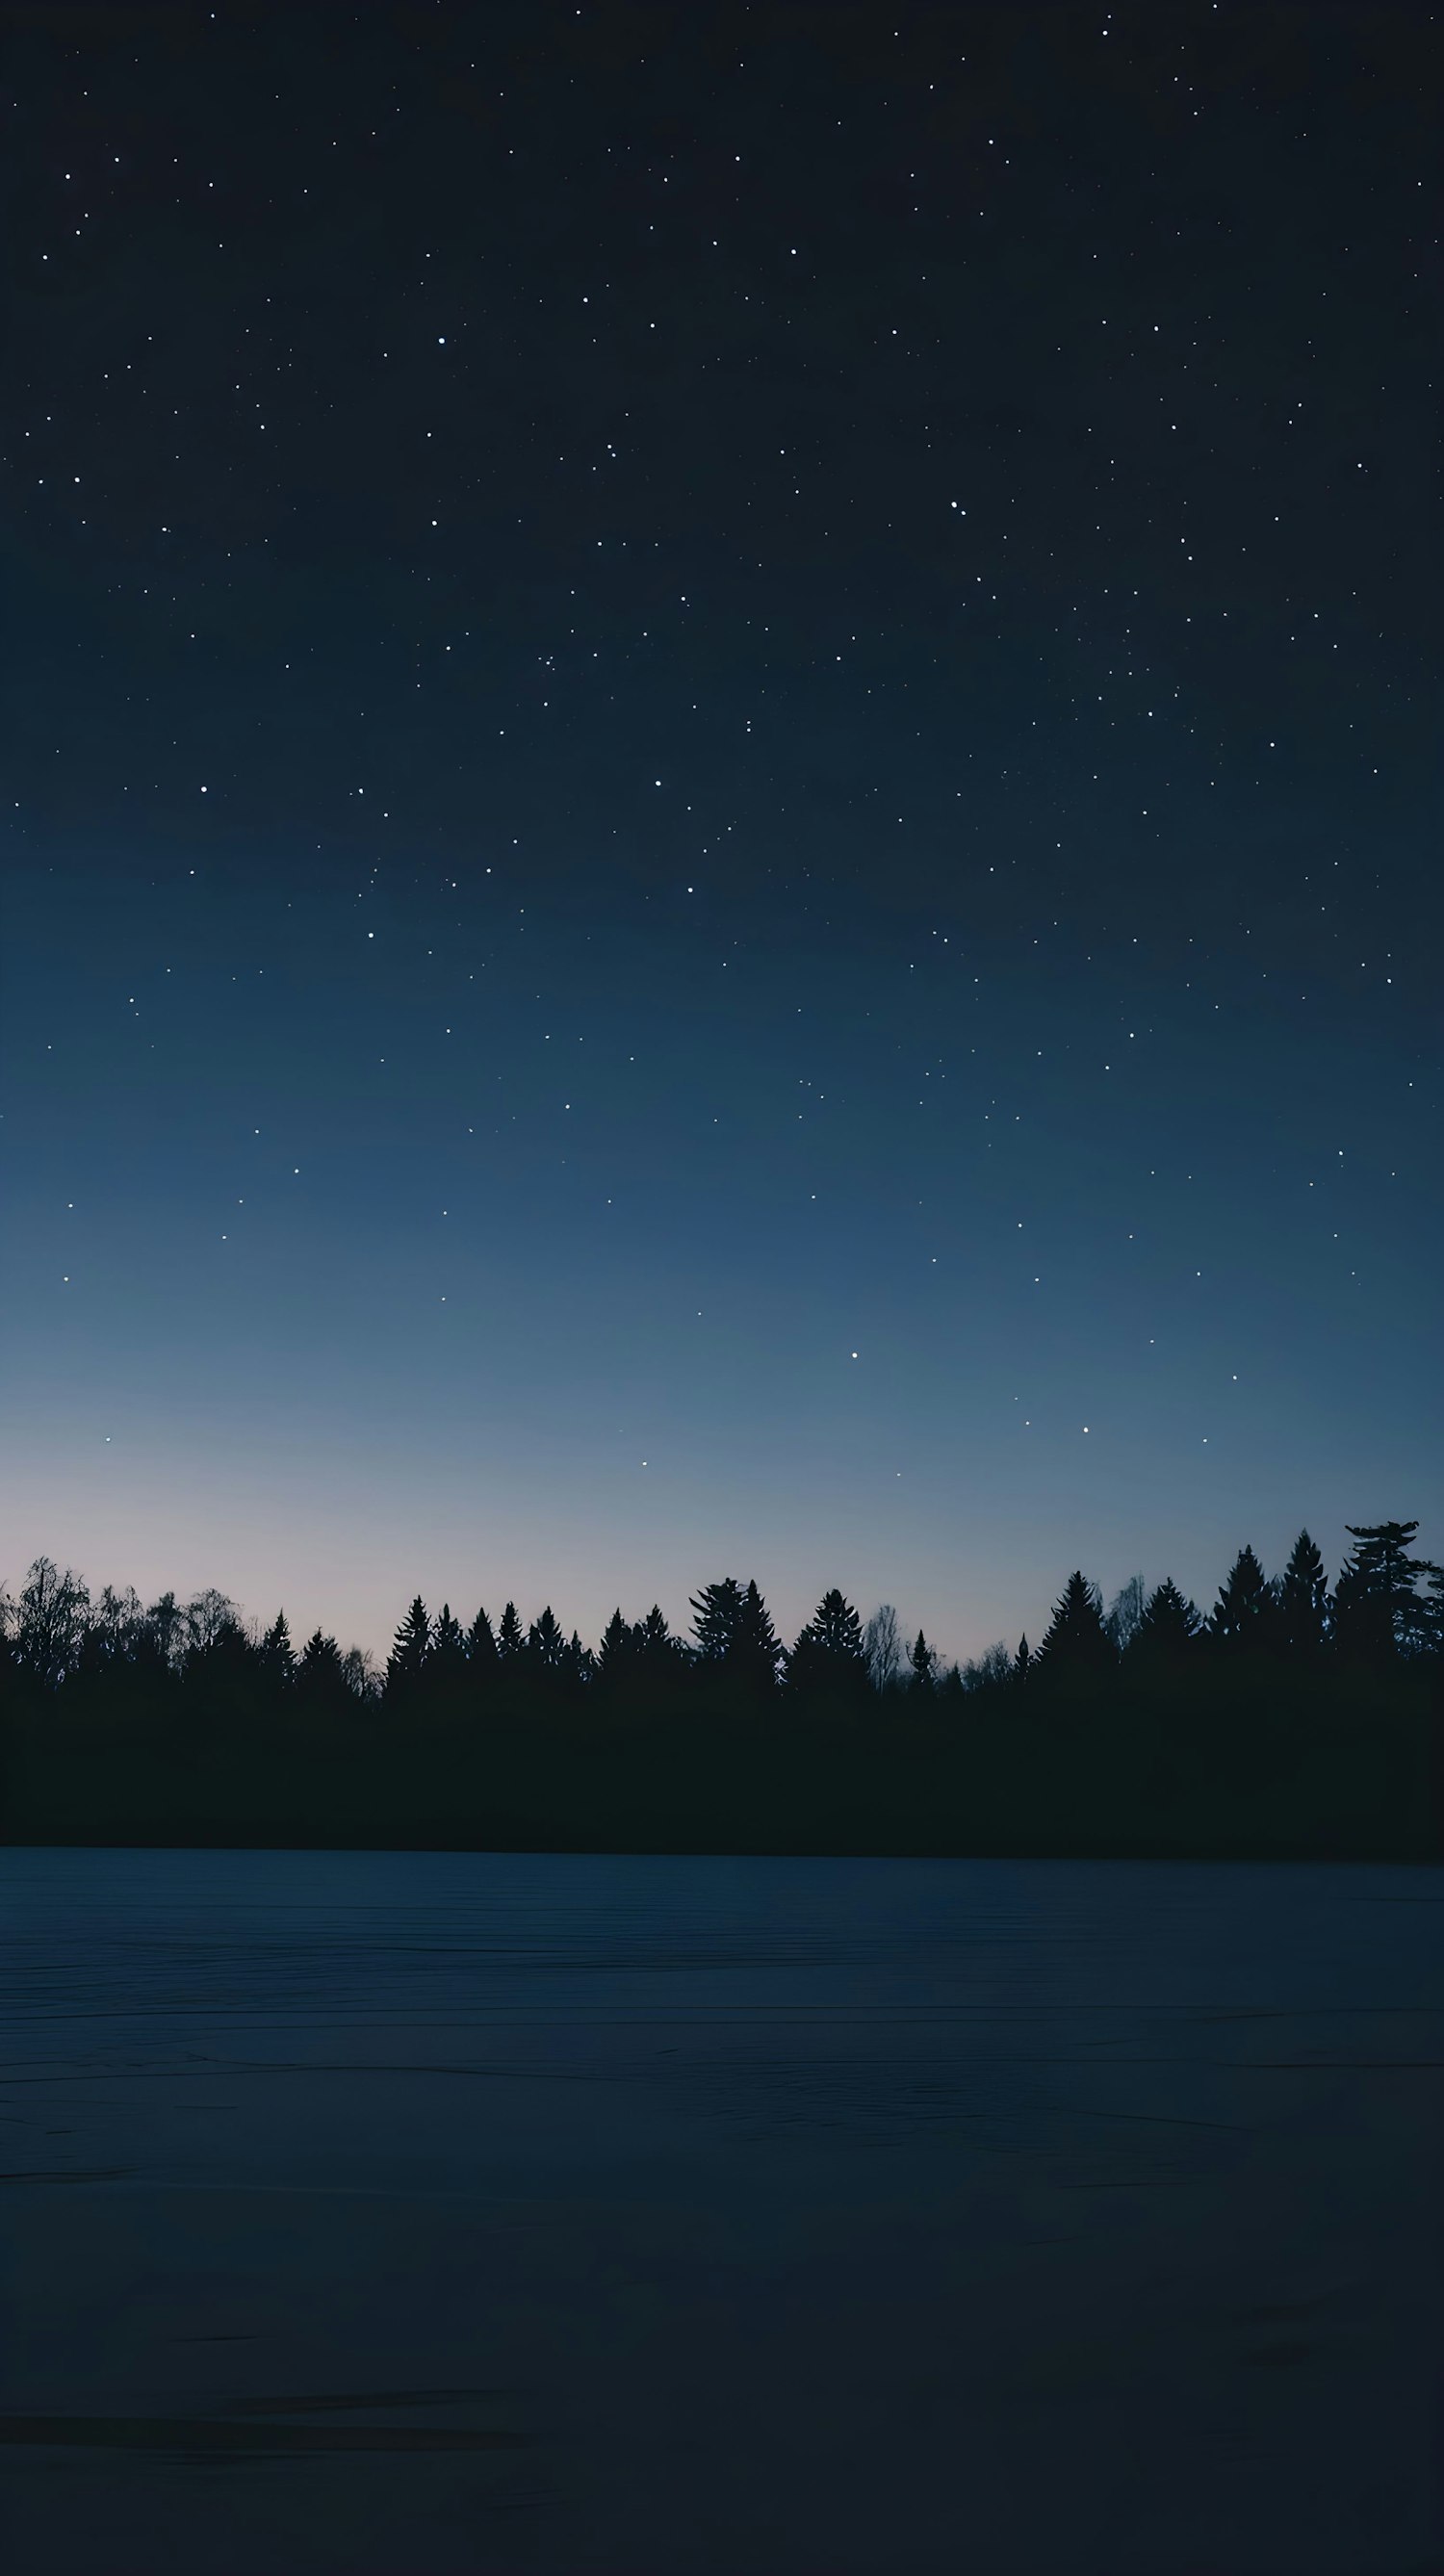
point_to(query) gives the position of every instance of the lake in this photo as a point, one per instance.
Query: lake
(406, 2214)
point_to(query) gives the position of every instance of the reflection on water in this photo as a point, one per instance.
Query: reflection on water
(654, 2215)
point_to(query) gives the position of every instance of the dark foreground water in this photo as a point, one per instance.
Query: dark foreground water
(406, 2214)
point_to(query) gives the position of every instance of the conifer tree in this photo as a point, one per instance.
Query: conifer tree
(1304, 1600)
(1076, 1643)
(321, 1673)
(446, 1654)
(654, 1638)
(545, 1644)
(481, 1648)
(829, 1654)
(923, 1659)
(756, 1652)
(408, 1652)
(1125, 1613)
(717, 1616)
(509, 1639)
(1169, 1629)
(1023, 1660)
(278, 1654)
(839, 1629)
(1242, 1613)
(660, 1655)
(616, 1656)
(1377, 1609)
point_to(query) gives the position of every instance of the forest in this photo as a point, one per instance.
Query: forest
(1295, 1718)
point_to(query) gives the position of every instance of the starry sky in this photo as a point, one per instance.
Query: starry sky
(721, 749)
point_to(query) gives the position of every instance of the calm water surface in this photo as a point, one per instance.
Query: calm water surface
(410, 2214)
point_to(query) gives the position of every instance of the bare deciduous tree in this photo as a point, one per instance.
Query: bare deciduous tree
(53, 1611)
(882, 1645)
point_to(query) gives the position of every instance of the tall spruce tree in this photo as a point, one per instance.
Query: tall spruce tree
(445, 1670)
(509, 1638)
(830, 1656)
(278, 1655)
(1169, 1630)
(1376, 1608)
(545, 1644)
(1303, 1600)
(755, 1654)
(408, 1652)
(1077, 1645)
(660, 1655)
(923, 1660)
(321, 1674)
(1243, 1614)
(1125, 1612)
(617, 1655)
(716, 1618)
(481, 1649)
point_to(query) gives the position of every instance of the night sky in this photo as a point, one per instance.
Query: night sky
(721, 757)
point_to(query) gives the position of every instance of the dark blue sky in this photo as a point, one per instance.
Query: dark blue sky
(722, 844)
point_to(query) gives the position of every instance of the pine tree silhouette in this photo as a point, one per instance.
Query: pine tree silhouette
(321, 1674)
(617, 1655)
(1023, 1660)
(448, 1641)
(1077, 1643)
(1242, 1614)
(717, 1617)
(408, 1652)
(481, 1649)
(655, 1641)
(923, 1659)
(1304, 1600)
(1125, 1612)
(1170, 1627)
(829, 1655)
(756, 1654)
(1377, 1612)
(545, 1644)
(278, 1654)
(839, 1629)
(509, 1639)
(445, 1669)
(661, 1657)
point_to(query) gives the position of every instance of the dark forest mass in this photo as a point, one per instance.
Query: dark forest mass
(1297, 1717)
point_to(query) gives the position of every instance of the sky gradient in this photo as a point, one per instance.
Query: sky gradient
(722, 842)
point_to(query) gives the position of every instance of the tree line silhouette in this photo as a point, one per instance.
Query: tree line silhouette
(1386, 1608)
(187, 1710)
